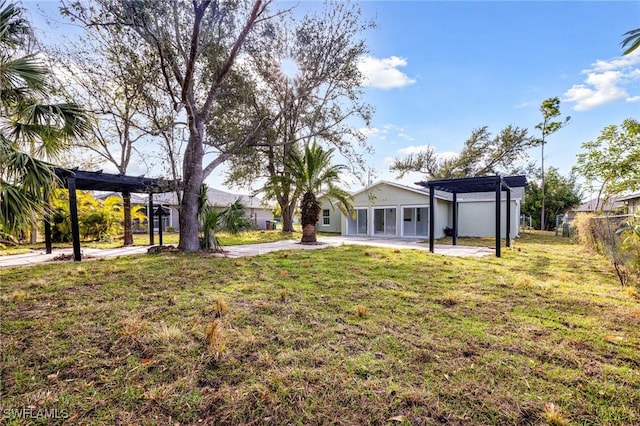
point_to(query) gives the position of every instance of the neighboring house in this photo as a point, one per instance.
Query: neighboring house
(613, 205)
(633, 203)
(221, 199)
(387, 209)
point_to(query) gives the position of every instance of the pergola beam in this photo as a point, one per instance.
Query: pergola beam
(98, 181)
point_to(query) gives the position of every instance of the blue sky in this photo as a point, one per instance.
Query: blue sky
(437, 70)
(463, 65)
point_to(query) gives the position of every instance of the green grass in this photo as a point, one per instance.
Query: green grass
(252, 237)
(347, 335)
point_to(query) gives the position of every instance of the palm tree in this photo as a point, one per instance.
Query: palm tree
(632, 40)
(31, 132)
(313, 174)
(212, 219)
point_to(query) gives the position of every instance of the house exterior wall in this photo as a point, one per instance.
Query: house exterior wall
(260, 217)
(385, 207)
(443, 216)
(634, 206)
(334, 218)
(478, 218)
(476, 213)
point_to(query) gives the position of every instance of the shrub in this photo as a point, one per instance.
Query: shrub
(585, 230)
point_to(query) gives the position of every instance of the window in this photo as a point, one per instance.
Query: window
(413, 225)
(384, 221)
(326, 220)
(357, 224)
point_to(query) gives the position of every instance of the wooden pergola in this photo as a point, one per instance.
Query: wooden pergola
(474, 185)
(98, 181)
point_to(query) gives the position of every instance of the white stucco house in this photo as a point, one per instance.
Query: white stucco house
(169, 201)
(257, 212)
(388, 209)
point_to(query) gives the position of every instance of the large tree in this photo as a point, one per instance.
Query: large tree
(104, 69)
(611, 163)
(562, 194)
(308, 79)
(32, 131)
(196, 45)
(482, 154)
(550, 109)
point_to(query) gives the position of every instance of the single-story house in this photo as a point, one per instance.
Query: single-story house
(388, 209)
(220, 199)
(613, 205)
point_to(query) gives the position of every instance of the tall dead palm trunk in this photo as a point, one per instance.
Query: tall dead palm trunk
(310, 212)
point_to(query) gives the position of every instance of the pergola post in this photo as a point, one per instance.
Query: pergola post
(160, 212)
(47, 230)
(432, 216)
(498, 190)
(73, 209)
(150, 218)
(509, 217)
(455, 219)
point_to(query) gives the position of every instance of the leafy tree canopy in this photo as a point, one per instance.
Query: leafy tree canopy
(561, 194)
(483, 154)
(611, 163)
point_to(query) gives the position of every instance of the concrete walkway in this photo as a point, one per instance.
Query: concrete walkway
(40, 256)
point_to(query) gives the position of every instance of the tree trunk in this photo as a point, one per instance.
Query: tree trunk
(34, 234)
(287, 217)
(310, 212)
(192, 181)
(542, 218)
(309, 234)
(126, 207)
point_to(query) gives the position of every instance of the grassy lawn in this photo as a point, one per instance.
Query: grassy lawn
(226, 239)
(349, 335)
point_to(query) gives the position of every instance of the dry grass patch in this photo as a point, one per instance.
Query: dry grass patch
(444, 340)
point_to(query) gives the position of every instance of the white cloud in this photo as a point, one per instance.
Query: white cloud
(388, 161)
(606, 82)
(405, 136)
(524, 104)
(633, 99)
(369, 132)
(384, 73)
(415, 149)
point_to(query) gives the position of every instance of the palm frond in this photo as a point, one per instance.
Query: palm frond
(48, 127)
(16, 207)
(26, 72)
(632, 40)
(14, 29)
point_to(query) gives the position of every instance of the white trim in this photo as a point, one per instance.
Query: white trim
(397, 185)
(328, 217)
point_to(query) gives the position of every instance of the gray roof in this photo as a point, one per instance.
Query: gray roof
(216, 197)
(629, 197)
(612, 204)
